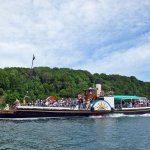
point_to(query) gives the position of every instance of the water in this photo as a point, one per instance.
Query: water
(94, 133)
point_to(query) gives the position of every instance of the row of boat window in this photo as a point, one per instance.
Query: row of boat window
(133, 103)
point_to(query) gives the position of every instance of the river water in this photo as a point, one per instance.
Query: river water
(92, 133)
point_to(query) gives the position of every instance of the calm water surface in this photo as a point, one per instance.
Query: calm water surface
(100, 133)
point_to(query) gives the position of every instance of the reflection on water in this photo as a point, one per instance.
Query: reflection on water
(94, 133)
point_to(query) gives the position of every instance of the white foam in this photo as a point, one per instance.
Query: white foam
(120, 115)
(145, 115)
(23, 119)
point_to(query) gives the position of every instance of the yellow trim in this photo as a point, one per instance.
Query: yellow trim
(101, 105)
(141, 110)
(54, 111)
(7, 111)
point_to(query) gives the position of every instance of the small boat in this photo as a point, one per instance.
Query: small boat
(100, 105)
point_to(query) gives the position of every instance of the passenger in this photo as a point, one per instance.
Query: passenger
(84, 104)
(80, 103)
(7, 107)
(55, 104)
(72, 104)
(17, 102)
(130, 105)
(88, 104)
(61, 103)
(46, 103)
(147, 103)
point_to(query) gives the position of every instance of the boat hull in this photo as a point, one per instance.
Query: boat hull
(66, 113)
(132, 111)
(49, 113)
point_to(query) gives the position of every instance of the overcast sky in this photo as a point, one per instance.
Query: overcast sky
(100, 36)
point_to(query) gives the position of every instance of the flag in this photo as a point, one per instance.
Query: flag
(33, 57)
(33, 60)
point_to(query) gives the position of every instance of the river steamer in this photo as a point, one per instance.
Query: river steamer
(38, 111)
(99, 106)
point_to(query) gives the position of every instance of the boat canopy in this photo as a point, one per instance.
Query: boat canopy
(123, 97)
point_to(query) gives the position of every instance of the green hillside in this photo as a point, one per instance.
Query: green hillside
(41, 82)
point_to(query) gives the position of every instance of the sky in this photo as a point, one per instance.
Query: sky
(100, 36)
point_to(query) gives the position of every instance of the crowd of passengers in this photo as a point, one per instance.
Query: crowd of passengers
(79, 103)
(133, 104)
(69, 103)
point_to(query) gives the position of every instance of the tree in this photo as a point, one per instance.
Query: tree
(1, 92)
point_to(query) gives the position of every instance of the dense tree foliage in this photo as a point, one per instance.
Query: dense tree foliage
(41, 82)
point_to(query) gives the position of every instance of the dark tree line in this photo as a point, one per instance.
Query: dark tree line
(41, 82)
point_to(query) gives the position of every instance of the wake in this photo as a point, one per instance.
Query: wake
(120, 116)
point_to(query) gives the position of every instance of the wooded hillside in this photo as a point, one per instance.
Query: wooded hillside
(41, 82)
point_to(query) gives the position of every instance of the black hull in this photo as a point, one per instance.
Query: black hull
(132, 112)
(55, 113)
(65, 113)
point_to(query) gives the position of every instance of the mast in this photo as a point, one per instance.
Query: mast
(31, 74)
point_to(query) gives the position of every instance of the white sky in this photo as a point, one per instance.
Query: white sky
(101, 36)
